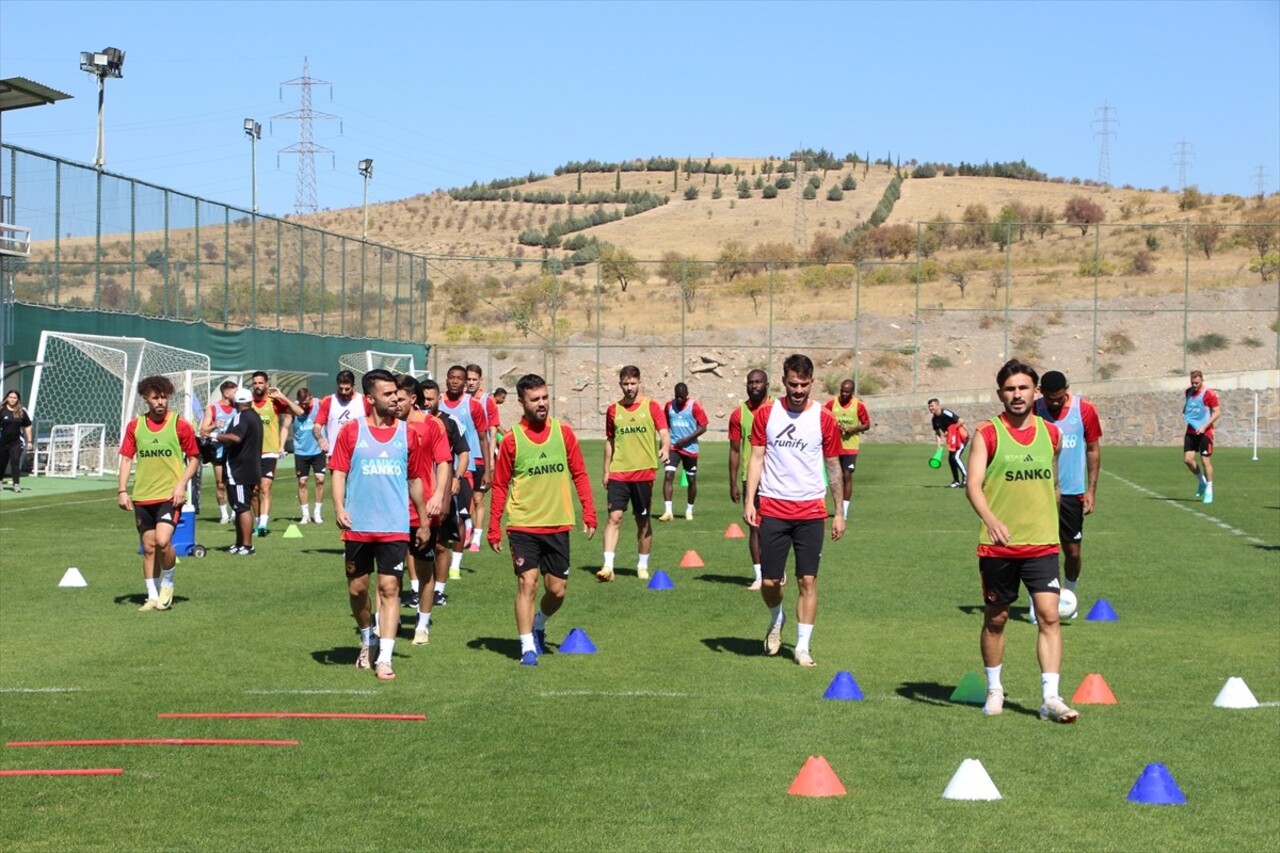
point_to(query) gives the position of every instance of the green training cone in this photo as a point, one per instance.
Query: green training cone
(971, 690)
(935, 461)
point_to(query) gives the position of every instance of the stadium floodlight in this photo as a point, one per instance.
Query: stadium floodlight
(108, 62)
(253, 130)
(366, 172)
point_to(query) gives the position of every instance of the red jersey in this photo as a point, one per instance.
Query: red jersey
(435, 443)
(659, 424)
(1210, 400)
(795, 446)
(1024, 436)
(186, 437)
(340, 460)
(502, 471)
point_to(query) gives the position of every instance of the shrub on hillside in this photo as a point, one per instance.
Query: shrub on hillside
(849, 184)
(809, 192)
(924, 170)
(1207, 343)
(783, 182)
(769, 191)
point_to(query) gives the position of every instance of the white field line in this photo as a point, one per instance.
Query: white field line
(623, 693)
(1197, 513)
(60, 504)
(39, 690)
(311, 692)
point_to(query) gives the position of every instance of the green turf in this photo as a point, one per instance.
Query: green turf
(678, 734)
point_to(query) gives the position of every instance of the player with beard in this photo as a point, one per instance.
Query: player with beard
(853, 420)
(486, 400)
(335, 409)
(276, 411)
(740, 422)
(471, 419)
(216, 417)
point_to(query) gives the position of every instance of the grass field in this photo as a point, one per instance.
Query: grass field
(677, 734)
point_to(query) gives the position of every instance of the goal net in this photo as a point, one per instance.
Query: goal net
(92, 379)
(362, 362)
(76, 450)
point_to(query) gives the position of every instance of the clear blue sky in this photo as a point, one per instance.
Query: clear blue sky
(441, 94)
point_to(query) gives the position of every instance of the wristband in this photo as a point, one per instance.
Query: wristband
(123, 492)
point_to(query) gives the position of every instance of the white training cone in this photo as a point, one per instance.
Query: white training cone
(1235, 694)
(971, 782)
(72, 577)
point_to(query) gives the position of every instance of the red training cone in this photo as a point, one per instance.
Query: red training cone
(817, 779)
(1093, 691)
(733, 531)
(691, 560)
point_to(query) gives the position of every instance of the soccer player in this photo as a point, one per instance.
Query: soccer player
(343, 405)
(1012, 481)
(792, 439)
(949, 427)
(471, 419)
(241, 442)
(216, 417)
(446, 531)
(276, 411)
(168, 457)
(686, 421)
(635, 441)
(15, 436)
(500, 397)
(853, 420)
(1201, 410)
(740, 422)
(494, 419)
(378, 467)
(537, 461)
(1079, 462)
(308, 459)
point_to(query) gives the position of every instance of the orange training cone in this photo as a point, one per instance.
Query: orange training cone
(691, 560)
(733, 531)
(1093, 691)
(817, 779)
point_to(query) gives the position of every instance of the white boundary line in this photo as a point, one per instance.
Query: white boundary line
(1173, 502)
(311, 692)
(60, 504)
(629, 693)
(40, 690)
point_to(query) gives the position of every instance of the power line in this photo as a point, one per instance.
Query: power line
(1105, 134)
(1260, 174)
(305, 200)
(1184, 155)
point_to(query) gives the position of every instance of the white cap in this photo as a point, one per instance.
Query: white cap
(244, 395)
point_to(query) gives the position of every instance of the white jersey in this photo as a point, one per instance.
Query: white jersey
(340, 414)
(793, 457)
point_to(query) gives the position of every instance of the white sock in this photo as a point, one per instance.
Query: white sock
(642, 562)
(475, 537)
(317, 511)
(1049, 684)
(993, 677)
(1070, 584)
(225, 510)
(846, 510)
(415, 585)
(386, 645)
(166, 579)
(688, 507)
(263, 519)
(152, 590)
(424, 620)
(366, 636)
(526, 643)
(306, 513)
(775, 615)
(803, 634)
(667, 507)
(756, 568)
(440, 586)
(1200, 476)
(608, 559)
(455, 560)
(540, 620)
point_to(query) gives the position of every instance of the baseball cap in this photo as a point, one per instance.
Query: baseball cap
(244, 395)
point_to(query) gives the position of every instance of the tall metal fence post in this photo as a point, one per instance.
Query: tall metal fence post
(168, 265)
(599, 290)
(684, 303)
(226, 266)
(1097, 277)
(196, 277)
(1186, 290)
(279, 267)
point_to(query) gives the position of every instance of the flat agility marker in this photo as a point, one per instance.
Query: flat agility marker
(155, 741)
(286, 715)
(88, 771)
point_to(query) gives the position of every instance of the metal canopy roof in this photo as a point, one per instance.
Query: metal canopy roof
(19, 92)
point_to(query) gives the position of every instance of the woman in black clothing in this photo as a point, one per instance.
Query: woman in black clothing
(15, 435)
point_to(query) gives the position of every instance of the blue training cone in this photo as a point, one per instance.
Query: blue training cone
(661, 580)
(577, 643)
(1102, 612)
(843, 686)
(1155, 787)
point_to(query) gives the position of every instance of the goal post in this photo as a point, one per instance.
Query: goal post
(362, 362)
(76, 450)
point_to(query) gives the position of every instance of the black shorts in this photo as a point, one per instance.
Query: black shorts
(304, 466)
(427, 552)
(449, 528)
(362, 558)
(849, 462)
(546, 552)
(240, 497)
(269, 467)
(1001, 576)
(477, 477)
(148, 516)
(465, 490)
(1070, 518)
(1199, 444)
(676, 459)
(638, 495)
(779, 535)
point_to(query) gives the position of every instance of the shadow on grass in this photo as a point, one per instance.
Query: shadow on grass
(732, 580)
(136, 599)
(592, 569)
(504, 646)
(733, 645)
(1021, 614)
(933, 693)
(1267, 547)
(338, 551)
(341, 655)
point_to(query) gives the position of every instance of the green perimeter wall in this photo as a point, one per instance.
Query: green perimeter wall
(228, 349)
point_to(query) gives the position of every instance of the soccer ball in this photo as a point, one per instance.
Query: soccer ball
(1067, 604)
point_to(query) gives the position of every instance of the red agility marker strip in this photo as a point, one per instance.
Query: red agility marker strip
(159, 741)
(90, 771)
(286, 715)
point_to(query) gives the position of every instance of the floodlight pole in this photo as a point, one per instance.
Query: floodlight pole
(109, 62)
(366, 172)
(253, 130)
(100, 158)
